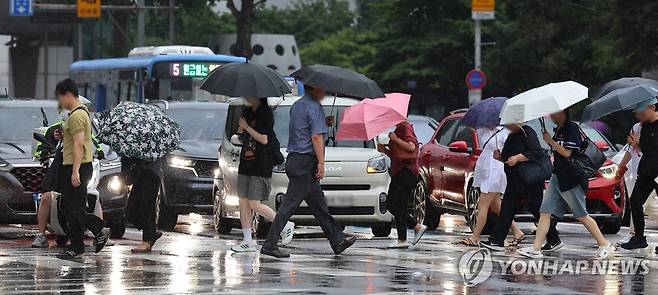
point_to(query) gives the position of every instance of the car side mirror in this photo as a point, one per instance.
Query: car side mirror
(235, 140)
(460, 147)
(602, 145)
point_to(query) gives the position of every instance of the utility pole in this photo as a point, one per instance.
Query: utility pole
(172, 22)
(478, 44)
(140, 22)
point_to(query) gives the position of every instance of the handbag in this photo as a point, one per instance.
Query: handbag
(535, 172)
(277, 156)
(587, 160)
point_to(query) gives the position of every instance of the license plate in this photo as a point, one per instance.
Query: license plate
(340, 202)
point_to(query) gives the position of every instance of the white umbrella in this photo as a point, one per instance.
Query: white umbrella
(541, 101)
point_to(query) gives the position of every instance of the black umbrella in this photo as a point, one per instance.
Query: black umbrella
(619, 100)
(340, 81)
(620, 83)
(245, 80)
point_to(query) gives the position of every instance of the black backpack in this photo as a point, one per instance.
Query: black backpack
(277, 156)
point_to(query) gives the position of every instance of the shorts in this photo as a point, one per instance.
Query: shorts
(557, 202)
(254, 188)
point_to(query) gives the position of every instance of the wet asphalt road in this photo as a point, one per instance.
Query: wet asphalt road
(195, 260)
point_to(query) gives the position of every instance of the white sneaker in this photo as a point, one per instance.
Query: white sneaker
(40, 241)
(625, 240)
(398, 245)
(604, 251)
(245, 247)
(287, 233)
(530, 252)
(419, 234)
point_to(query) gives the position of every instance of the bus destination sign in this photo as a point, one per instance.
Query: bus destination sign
(191, 69)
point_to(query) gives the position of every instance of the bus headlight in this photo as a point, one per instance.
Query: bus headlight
(115, 185)
(609, 171)
(376, 165)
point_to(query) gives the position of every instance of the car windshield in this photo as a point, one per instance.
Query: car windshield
(19, 123)
(199, 124)
(282, 120)
(423, 130)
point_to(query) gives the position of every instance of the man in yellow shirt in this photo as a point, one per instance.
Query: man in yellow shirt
(77, 171)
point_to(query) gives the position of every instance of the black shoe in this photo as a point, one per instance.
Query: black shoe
(492, 246)
(70, 253)
(635, 243)
(101, 239)
(343, 245)
(158, 235)
(552, 246)
(274, 252)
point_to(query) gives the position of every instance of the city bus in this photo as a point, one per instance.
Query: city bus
(149, 73)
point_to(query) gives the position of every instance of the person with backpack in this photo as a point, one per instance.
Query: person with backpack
(260, 153)
(403, 151)
(76, 171)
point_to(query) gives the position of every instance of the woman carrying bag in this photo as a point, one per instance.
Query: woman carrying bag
(403, 151)
(566, 189)
(145, 178)
(489, 177)
(521, 152)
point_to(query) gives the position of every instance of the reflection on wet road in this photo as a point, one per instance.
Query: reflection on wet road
(194, 260)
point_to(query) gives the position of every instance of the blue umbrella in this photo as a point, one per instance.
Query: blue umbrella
(484, 113)
(619, 100)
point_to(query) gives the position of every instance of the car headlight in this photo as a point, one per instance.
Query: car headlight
(281, 168)
(115, 185)
(376, 165)
(609, 171)
(179, 162)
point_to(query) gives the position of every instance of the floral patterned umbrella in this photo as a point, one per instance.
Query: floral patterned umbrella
(138, 130)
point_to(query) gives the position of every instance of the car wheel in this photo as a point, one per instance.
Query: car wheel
(381, 229)
(424, 210)
(611, 227)
(166, 217)
(222, 225)
(117, 227)
(472, 199)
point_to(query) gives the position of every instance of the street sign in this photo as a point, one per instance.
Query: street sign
(89, 8)
(483, 9)
(21, 7)
(476, 79)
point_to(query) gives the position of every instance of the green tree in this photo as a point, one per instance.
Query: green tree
(347, 48)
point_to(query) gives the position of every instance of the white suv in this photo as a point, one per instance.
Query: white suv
(355, 184)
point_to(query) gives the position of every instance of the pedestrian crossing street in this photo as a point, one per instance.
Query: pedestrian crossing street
(183, 264)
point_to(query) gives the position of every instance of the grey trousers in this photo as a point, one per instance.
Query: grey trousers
(302, 186)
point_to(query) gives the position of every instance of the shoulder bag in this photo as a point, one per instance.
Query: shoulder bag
(587, 160)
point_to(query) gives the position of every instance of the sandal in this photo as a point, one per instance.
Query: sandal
(468, 242)
(516, 241)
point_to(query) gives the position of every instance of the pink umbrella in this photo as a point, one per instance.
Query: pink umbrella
(370, 117)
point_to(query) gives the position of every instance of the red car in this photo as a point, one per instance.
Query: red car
(447, 163)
